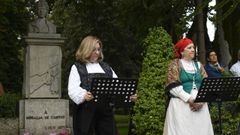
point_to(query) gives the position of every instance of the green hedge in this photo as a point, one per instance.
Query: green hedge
(122, 123)
(9, 105)
(150, 106)
(230, 117)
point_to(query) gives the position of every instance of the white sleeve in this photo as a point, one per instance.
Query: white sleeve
(194, 93)
(233, 70)
(114, 74)
(179, 92)
(75, 92)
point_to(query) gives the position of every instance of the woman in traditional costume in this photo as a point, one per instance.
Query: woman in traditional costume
(184, 117)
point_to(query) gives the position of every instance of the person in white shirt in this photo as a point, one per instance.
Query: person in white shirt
(235, 69)
(184, 76)
(90, 118)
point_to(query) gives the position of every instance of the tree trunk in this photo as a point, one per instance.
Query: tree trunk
(225, 56)
(200, 33)
(231, 29)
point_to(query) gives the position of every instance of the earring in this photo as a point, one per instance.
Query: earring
(182, 54)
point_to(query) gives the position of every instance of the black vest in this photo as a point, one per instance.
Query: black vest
(84, 114)
(86, 78)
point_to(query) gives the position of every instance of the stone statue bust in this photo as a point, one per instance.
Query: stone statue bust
(42, 25)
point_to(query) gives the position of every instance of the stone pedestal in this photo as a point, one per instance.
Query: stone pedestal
(43, 116)
(42, 74)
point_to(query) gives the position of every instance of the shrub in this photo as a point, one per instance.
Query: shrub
(150, 106)
(8, 105)
(230, 116)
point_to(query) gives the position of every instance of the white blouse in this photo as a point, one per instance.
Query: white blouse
(75, 92)
(235, 69)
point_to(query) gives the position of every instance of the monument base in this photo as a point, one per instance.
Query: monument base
(44, 116)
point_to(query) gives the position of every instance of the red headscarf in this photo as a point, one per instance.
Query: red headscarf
(181, 45)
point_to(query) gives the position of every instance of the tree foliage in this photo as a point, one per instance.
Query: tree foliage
(150, 106)
(140, 15)
(13, 20)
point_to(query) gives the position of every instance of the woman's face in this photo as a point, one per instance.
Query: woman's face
(95, 53)
(188, 52)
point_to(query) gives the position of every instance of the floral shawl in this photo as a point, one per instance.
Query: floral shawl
(174, 72)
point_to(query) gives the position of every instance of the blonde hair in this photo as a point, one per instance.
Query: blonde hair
(86, 48)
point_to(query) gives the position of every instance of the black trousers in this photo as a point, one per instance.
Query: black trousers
(94, 119)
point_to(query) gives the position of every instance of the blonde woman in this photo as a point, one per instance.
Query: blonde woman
(90, 118)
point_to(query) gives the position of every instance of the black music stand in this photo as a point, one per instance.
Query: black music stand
(219, 90)
(119, 89)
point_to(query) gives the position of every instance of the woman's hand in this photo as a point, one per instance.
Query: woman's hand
(133, 98)
(191, 101)
(196, 106)
(88, 96)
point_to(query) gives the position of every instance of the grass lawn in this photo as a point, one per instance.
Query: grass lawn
(122, 123)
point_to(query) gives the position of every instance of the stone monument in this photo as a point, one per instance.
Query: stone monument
(42, 111)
